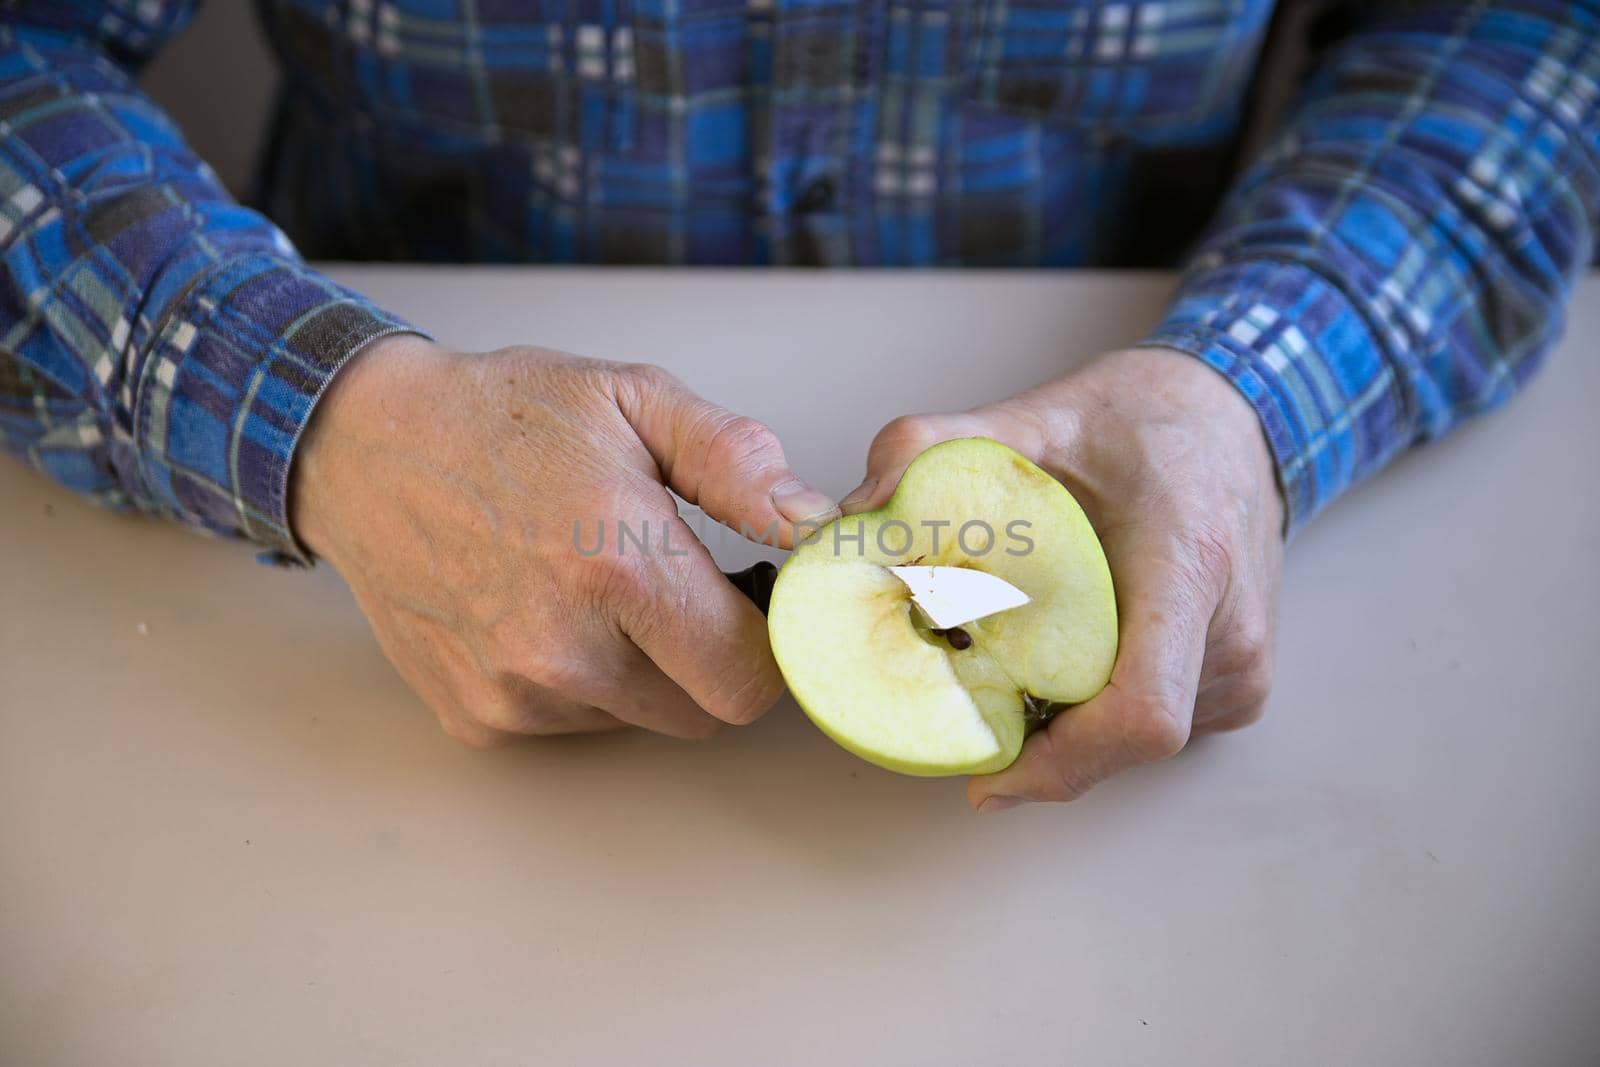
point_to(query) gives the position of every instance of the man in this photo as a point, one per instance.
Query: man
(1394, 260)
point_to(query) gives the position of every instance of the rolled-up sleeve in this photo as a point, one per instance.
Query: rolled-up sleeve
(163, 347)
(1399, 257)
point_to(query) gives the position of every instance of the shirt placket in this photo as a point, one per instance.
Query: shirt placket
(822, 73)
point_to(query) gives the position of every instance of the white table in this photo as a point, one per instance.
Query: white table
(228, 834)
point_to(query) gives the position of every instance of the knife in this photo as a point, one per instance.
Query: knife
(756, 582)
(946, 597)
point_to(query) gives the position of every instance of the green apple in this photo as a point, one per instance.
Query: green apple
(870, 671)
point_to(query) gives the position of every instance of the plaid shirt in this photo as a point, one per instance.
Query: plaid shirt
(1396, 259)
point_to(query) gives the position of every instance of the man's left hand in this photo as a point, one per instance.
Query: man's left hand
(1169, 462)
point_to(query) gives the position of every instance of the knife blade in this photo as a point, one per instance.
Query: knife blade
(949, 597)
(946, 596)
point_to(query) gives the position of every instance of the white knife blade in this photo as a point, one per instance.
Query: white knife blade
(954, 596)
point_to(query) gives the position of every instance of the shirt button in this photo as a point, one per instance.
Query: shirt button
(816, 195)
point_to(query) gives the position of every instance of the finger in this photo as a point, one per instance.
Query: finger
(597, 678)
(634, 690)
(518, 706)
(900, 442)
(1238, 671)
(700, 631)
(731, 466)
(1229, 703)
(413, 656)
(477, 709)
(1236, 718)
(579, 720)
(1145, 712)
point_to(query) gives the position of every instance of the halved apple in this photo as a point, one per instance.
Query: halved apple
(874, 676)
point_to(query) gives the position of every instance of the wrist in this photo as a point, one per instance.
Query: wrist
(364, 404)
(1139, 412)
(1204, 393)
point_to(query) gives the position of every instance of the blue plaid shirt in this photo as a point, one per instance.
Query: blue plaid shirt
(1396, 259)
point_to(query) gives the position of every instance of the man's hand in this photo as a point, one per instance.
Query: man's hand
(445, 487)
(1170, 464)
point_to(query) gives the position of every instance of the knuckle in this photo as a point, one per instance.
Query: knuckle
(743, 699)
(1253, 665)
(619, 580)
(553, 673)
(1248, 715)
(1258, 686)
(650, 625)
(909, 433)
(1252, 637)
(740, 442)
(636, 386)
(1156, 728)
(1248, 654)
(489, 705)
(647, 376)
(526, 716)
(471, 734)
(1210, 556)
(500, 714)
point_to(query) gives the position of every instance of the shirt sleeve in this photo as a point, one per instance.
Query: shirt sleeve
(1399, 257)
(161, 347)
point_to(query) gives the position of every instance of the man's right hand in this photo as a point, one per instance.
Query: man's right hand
(444, 488)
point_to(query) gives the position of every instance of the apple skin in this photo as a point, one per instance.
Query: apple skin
(867, 670)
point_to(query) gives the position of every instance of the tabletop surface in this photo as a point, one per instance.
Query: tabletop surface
(228, 833)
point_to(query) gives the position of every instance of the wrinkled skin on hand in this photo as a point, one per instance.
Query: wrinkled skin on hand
(444, 487)
(1170, 464)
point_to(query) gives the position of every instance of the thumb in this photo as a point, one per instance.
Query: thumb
(906, 438)
(731, 466)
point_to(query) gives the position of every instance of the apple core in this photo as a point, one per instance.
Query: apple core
(885, 683)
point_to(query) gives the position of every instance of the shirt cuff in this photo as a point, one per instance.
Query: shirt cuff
(1305, 358)
(229, 386)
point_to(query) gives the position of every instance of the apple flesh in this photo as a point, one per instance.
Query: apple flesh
(874, 676)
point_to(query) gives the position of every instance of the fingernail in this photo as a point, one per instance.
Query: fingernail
(798, 502)
(1000, 803)
(858, 496)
